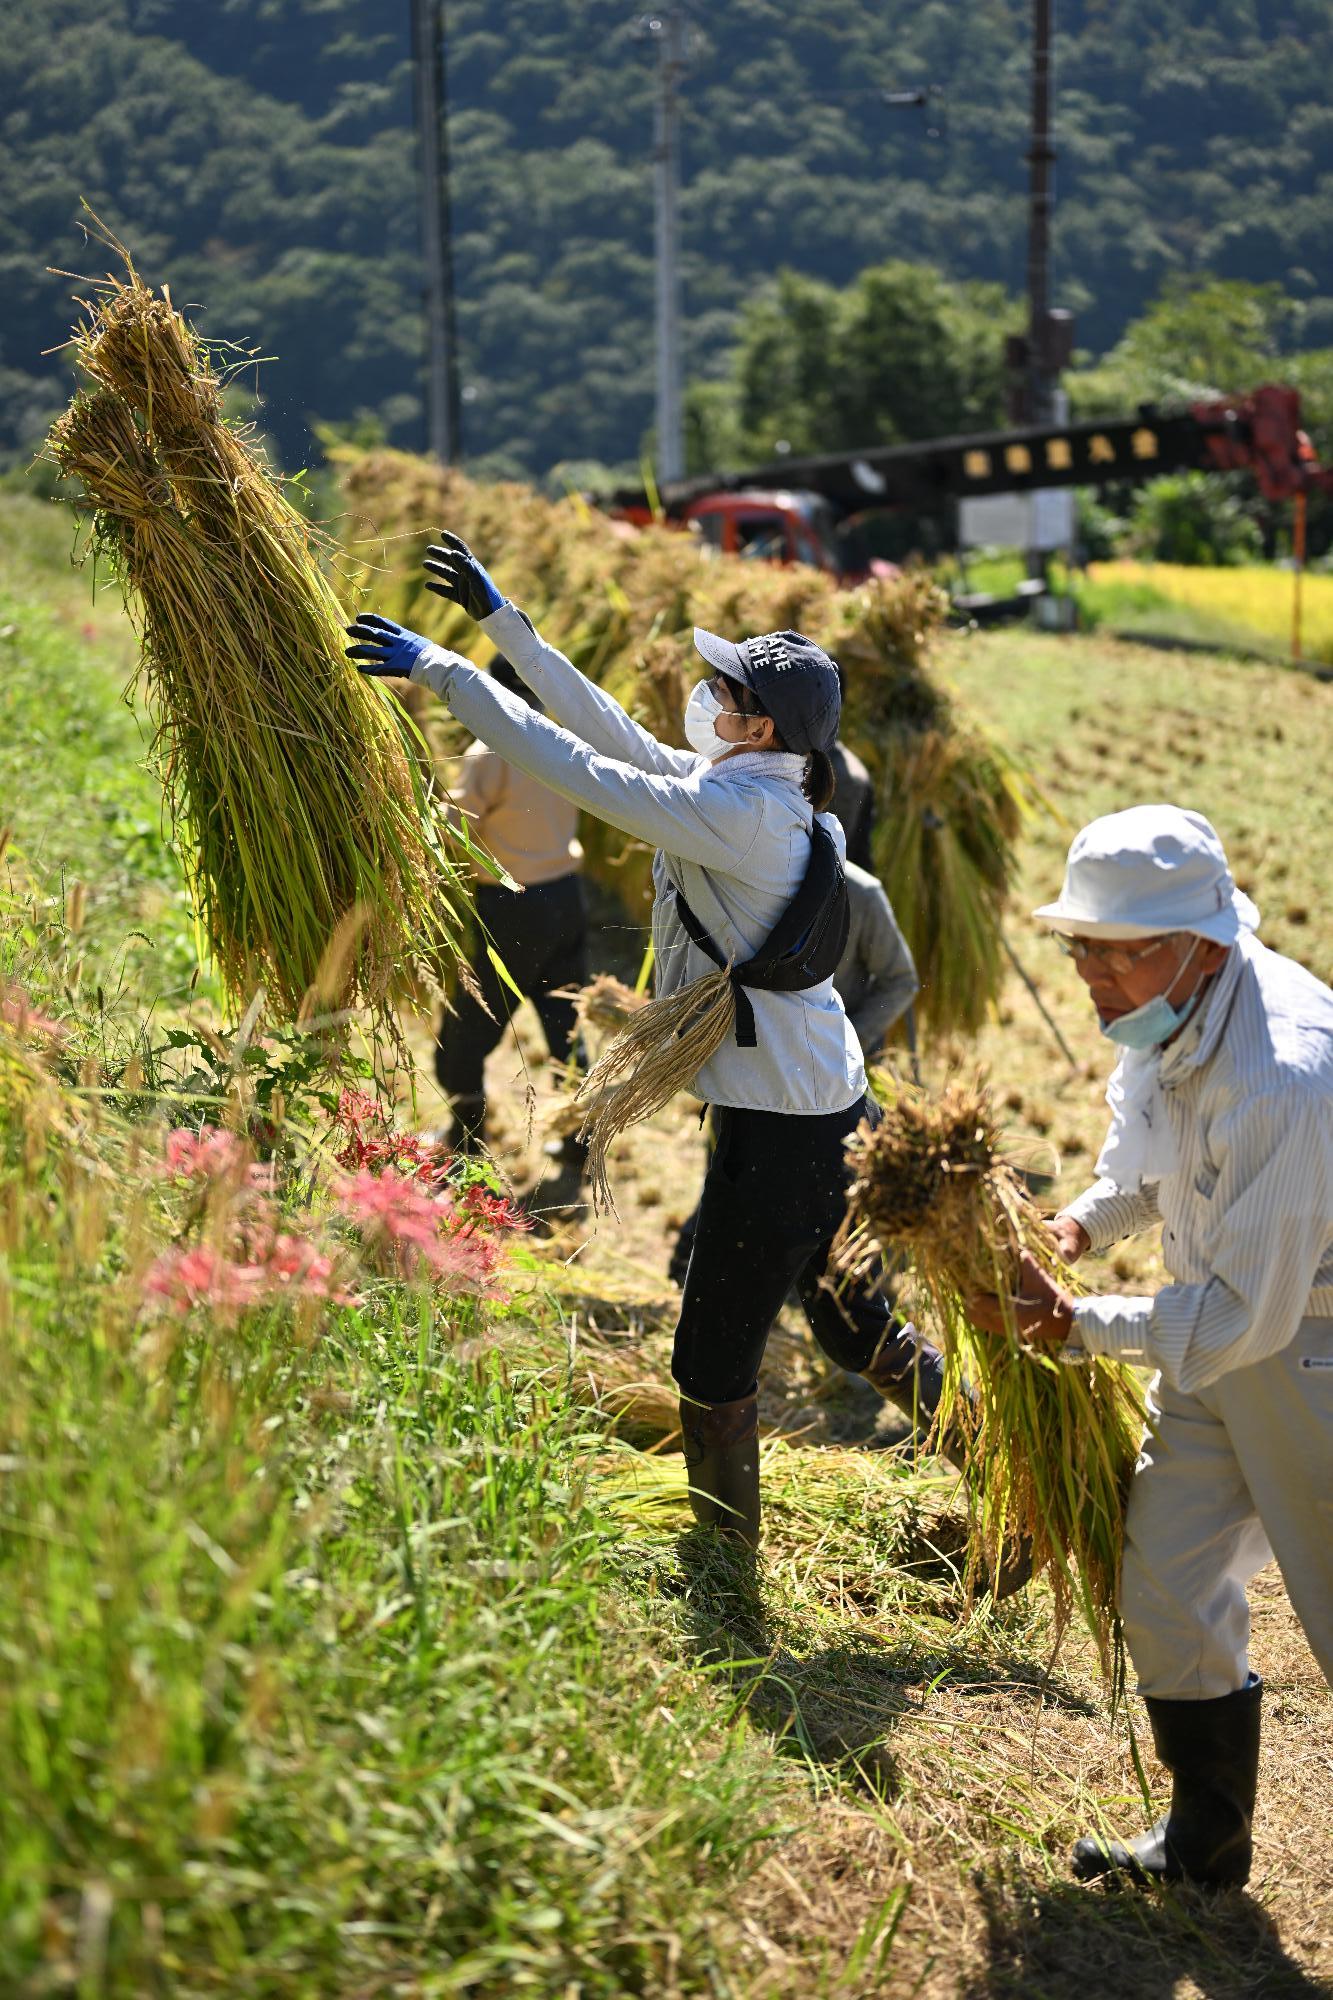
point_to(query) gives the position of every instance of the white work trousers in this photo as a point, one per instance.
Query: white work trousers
(1229, 1477)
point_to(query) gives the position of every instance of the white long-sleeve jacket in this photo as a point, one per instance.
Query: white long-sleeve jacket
(735, 837)
(1247, 1215)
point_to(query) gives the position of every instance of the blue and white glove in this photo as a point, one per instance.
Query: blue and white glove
(453, 572)
(385, 651)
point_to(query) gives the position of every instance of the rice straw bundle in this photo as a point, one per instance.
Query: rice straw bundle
(607, 1003)
(950, 802)
(314, 849)
(660, 1050)
(1051, 1444)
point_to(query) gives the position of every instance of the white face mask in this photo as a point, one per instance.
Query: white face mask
(701, 713)
(1154, 1023)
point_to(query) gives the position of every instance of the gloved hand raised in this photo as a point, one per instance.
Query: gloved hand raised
(383, 650)
(453, 571)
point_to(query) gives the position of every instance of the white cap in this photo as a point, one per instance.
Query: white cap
(1148, 870)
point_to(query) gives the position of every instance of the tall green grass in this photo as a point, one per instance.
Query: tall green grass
(78, 802)
(312, 1678)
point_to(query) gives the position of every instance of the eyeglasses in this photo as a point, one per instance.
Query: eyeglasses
(718, 686)
(1113, 957)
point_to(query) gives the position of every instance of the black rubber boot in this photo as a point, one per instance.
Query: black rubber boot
(1211, 1749)
(722, 1461)
(909, 1373)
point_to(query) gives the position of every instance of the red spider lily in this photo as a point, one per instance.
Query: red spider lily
(426, 1233)
(209, 1154)
(182, 1279)
(372, 1143)
(391, 1204)
(200, 1276)
(295, 1266)
(493, 1211)
(465, 1261)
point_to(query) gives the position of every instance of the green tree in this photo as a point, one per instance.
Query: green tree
(903, 352)
(1194, 517)
(1202, 337)
(261, 155)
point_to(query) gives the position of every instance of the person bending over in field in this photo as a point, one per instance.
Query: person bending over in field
(540, 933)
(745, 853)
(1222, 1131)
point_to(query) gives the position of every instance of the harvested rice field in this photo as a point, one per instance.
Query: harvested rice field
(355, 1648)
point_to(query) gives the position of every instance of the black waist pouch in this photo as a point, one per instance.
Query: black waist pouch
(805, 945)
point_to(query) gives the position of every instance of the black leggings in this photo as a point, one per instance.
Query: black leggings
(774, 1196)
(542, 937)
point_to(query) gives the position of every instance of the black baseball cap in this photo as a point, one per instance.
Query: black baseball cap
(791, 678)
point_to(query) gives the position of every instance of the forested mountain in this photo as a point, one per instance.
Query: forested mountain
(260, 154)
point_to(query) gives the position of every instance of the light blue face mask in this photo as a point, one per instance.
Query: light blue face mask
(1156, 1020)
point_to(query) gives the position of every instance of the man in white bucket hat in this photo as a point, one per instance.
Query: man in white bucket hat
(1222, 1130)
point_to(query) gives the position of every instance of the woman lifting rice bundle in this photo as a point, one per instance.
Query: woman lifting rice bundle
(749, 920)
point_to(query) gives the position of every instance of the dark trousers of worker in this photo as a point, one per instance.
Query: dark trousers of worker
(684, 1244)
(774, 1197)
(541, 935)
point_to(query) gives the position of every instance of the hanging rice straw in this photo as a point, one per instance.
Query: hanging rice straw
(313, 846)
(660, 1050)
(1051, 1443)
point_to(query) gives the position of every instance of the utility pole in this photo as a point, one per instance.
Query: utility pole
(669, 29)
(1041, 159)
(442, 400)
(1035, 358)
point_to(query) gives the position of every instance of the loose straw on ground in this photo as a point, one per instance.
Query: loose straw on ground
(1051, 1444)
(314, 849)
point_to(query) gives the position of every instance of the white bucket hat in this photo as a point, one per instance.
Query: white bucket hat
(1147, 870)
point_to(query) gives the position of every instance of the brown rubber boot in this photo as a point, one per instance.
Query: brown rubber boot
(722, 1460)
(909, 1373)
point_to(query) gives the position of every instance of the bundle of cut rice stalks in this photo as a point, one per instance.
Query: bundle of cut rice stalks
(951, 803)
(313, 844)
(659, 1050)
(607, 1003)
(1051, 1443)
